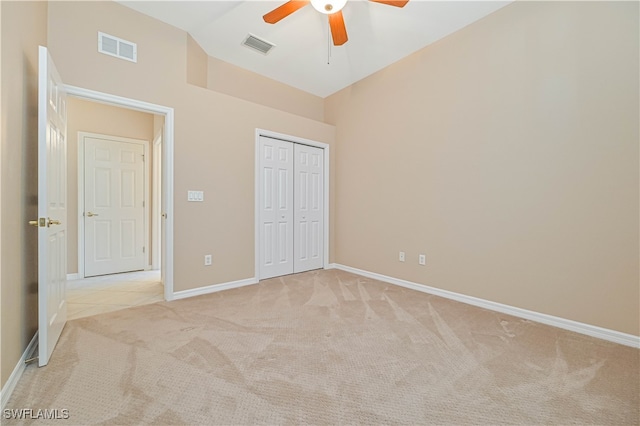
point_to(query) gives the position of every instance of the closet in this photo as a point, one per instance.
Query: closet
(290, 207)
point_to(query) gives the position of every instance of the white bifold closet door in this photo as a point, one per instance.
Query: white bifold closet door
(291, 207)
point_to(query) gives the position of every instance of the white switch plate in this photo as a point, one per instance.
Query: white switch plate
(208, 260)
(401, 256)
(195, 195)
(422, 259)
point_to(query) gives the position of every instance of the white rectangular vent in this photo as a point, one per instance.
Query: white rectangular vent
(114, 46)
(258, 44)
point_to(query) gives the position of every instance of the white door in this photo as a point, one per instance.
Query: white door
(291, 208)
(276, 208)
(114, 219)
(308, 215)
(52, 206)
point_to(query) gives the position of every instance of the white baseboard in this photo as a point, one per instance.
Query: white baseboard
(71, 277)
(8, 387)
(578, 327)
(213, 288)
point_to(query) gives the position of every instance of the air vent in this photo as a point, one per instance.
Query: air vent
(258, 44)
(114, 46)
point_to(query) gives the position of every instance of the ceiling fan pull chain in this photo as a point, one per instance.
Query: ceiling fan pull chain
(328, 43)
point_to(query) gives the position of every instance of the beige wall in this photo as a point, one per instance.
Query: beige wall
(93, 117)
(226, 78)
(508, 154)
(2, 139)
(24, 27)
(214, 132)
(197, 63)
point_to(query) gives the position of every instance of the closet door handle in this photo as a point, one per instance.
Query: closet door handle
(90, 214)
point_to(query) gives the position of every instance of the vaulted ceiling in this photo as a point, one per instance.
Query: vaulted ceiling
(379, 35)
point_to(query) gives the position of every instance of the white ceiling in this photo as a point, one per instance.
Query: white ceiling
(378, 35)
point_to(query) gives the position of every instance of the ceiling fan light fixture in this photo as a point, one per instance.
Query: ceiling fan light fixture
(328, 7)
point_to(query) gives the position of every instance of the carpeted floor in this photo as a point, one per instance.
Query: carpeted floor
(328, 347)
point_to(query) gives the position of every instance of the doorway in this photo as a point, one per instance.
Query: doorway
(161, 223)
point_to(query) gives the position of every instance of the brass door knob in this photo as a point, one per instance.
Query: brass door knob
(53, 222)
(42, 222)
(91, 214)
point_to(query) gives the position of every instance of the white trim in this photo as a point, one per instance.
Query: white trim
(156, 213)
(213, 288)
(73, 277)
(168, 149)
(15, 376)
(81, 190)
(295, 139)
(566, 324)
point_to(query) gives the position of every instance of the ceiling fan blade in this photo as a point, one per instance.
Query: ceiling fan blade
(283, 11)
(338, 29)
(396, 3)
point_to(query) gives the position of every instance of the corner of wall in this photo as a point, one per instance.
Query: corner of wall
(197, 63)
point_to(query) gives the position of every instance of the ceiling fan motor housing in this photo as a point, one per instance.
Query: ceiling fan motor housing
(328, 6)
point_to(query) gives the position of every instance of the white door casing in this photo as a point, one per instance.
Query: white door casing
(276, 201)
(156, 203)
(308, 213)
(52, 206)
(114, 206)
(290, 207)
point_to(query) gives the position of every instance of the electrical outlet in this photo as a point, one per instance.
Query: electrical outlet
(422, 259)
(401, 256)
(208, 260)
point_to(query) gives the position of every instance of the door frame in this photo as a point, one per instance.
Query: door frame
(167, 167)
(156, 201)
(257, 184)
(146, 194)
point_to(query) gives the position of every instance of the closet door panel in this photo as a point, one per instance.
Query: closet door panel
(276, 207)
(309, 210)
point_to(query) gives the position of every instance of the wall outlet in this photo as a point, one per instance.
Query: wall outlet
(422, 259)
(401, 256)
(208, 260)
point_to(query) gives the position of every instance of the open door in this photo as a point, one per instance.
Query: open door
(52, 207)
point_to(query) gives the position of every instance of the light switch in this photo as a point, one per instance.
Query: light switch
(195, 195)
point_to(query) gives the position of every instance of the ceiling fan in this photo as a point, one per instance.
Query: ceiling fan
(332, 8)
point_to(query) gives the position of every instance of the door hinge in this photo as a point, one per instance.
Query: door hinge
(143, 249)
(142, 157)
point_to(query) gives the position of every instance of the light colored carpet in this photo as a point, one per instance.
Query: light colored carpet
(329, 347)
